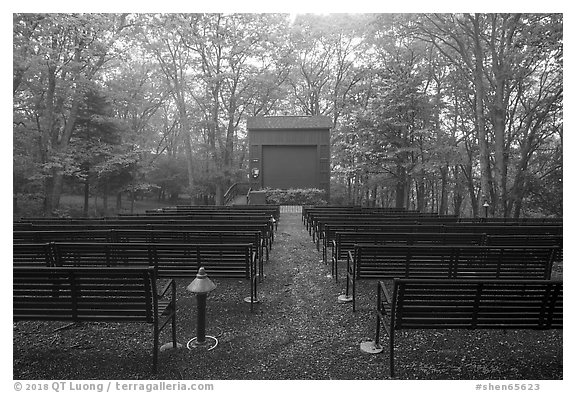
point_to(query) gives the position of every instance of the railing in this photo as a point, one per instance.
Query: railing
(290, 209)
(235, 190)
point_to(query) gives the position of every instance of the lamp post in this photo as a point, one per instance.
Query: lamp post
(486, 206)
(201, 287)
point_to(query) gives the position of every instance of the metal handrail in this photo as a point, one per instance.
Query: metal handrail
(233, 191)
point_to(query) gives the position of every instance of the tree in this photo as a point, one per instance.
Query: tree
(93, 139)
(507, 59)
(67, 54)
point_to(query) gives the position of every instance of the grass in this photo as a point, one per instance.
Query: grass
(297, 332)
(73, 206)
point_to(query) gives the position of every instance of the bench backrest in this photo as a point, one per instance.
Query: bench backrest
(476, 304)
(141, 235)
(531, 240)
(169, 259)
(84, 294)
(162, 225)
(527, 239)
(345, 241)
(446, 261)
(100, 235)
(32, 254)
(319, 225)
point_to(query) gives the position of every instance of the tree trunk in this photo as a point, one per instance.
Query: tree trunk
(132, 199)
(374, 196)
(349, 190)
(56, 192)
(420, 198)
(86, 196)
(471, 191)
(105, 199)
(219, 195)
(485, 172)
(458, 196)
(189, 162)
(499, 204)
(400, 187)
(443, 206)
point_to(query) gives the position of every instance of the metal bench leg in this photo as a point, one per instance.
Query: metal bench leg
(155, 355)
(335, 267)
(353, 295)
(174, 341)
(377, 335)
(391, 354)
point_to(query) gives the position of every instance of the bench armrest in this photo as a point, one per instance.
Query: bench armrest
(350, 262)
(170, 284)
(384, 291)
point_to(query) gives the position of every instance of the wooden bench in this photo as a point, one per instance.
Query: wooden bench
(504, 229)
(318, 227)
(528, 240)
(324, 231)
(467, 304)
(444, 225)
(429, 226)
(94, 294)
(387, 262)
(268, 208)
(145, 235)
(206, 226)
(344, 242)
(170, 260)
(515, 221)
(310, 214)
(331, 229)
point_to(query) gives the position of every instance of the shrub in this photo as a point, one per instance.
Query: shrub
(296, 196)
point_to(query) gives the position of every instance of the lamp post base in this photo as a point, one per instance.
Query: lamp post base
(248, 299)
(170, 345)
(371, 347)
(345, 298)
(209, 344)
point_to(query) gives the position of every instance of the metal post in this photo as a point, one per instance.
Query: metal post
(201, 325)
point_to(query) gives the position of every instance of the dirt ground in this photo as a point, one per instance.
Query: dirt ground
(298, 331)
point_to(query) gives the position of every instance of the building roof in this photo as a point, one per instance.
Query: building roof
(288, 122)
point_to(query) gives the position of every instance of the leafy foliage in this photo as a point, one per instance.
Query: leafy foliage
(296, 196)
(430, 111)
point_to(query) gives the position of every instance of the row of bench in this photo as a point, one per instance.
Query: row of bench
(169, 260)
(322, 221)
(464, 274)
(107, 269)
(331, 229)
(344, 242)
(308, 212)
(146, 236)
(270, 209)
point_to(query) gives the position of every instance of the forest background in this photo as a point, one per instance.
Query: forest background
(436, 112)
